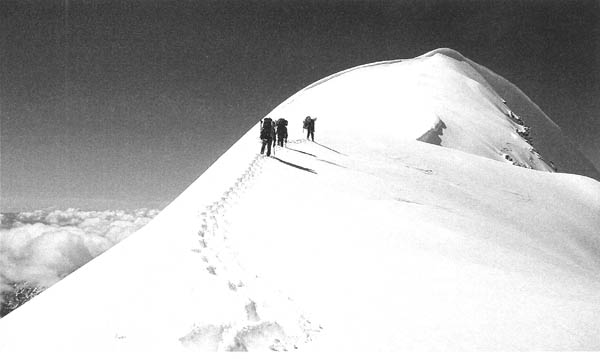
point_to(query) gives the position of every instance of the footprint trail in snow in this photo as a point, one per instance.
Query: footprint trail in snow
(264, 328)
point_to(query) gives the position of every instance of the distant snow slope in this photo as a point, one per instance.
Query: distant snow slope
(364, 240)
(548, 138)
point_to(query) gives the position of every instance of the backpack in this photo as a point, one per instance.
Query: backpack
(266, 129)
(282, 131)
(280, 125)
(305, 123)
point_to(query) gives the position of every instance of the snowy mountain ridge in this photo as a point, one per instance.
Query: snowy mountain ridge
(438, 90)
(366, 239)
(548, 137)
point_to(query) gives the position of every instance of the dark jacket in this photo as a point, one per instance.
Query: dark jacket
(267, 130)
(281, 131)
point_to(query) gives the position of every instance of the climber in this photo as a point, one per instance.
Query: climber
(282, 131)
(309, 125)
(266, 135)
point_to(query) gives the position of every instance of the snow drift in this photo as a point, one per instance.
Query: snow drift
(366, 239)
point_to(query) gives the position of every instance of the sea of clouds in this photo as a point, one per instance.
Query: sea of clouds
(40, 248)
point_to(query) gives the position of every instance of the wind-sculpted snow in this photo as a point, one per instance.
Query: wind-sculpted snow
(548, 137)
(365, 239)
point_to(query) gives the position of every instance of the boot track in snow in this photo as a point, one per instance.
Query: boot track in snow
(258, 331)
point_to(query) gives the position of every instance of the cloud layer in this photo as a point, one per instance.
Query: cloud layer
(41, 247)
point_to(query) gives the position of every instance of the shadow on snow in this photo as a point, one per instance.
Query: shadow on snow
(296, 166)
(330, 149)
(306, 153)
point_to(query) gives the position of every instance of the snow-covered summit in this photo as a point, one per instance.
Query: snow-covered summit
(547, 137)
(367, 239)
(442, 98)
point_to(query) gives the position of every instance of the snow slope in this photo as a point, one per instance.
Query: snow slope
(367, 239)
(548, 137)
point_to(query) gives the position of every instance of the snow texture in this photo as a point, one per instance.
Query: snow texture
(366, 239)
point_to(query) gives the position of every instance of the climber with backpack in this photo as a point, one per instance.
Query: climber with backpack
(309, 125)
(282, 133)
(266, 135)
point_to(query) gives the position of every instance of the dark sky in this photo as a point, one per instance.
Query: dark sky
(123, 104)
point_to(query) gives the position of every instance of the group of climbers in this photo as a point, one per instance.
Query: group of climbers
(272, 132)
(275, 132)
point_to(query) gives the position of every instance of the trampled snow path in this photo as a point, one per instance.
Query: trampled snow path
(258, 332)
(274, 321)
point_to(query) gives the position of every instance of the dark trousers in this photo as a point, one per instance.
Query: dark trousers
(266, 143)
(311, 135)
